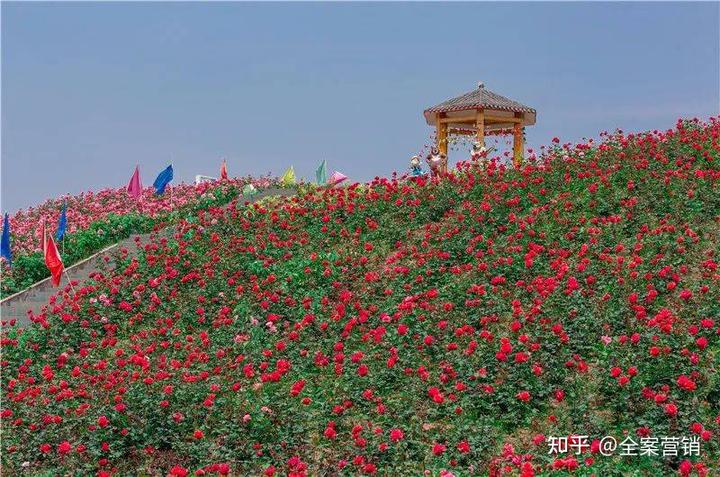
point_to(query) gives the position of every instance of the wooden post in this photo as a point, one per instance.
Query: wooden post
(480, 126)
(518, 145)
(442, 140)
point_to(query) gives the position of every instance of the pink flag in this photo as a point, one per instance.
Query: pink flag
(134, 187)
(336, 178)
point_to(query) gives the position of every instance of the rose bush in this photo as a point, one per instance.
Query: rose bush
(400, 327)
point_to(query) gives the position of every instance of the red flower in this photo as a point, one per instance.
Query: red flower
(523, 396)
(297, 387)
(396, 435)
(686, 383)
(438, 449)
(178, 471)
(685, 467)
(330, 432)
(64, 447)
(369, 468)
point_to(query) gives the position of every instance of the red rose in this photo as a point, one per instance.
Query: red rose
(685, 467)
(178, 471)
(64, 447)
(438, 449)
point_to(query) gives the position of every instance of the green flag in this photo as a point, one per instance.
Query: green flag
(321, 173)
(289, 177)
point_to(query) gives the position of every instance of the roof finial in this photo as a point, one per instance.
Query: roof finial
(481, 85)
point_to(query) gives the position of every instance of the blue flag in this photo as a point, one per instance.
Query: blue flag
(62, 223)
(5, 243)
(163, 179)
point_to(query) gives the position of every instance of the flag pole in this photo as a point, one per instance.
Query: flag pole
(137, 166)
(68, 279)
(171, 188)
(65, 227)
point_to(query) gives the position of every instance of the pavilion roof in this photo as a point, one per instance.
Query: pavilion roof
(479, 98)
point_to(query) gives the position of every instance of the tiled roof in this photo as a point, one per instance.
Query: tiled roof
(480, 98)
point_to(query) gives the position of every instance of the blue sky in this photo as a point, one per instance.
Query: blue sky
(89, 90)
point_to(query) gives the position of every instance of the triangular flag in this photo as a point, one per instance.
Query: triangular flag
(5, 241)
(62, 223)
(321, 173)
(223, 170)
(134, 187)
(53, 262)
(336, 178)
(289, 177)
(163, 179)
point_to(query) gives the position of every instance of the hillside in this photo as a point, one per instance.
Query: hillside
(98, 219)
(398, 327)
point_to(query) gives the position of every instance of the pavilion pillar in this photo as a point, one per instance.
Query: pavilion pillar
(442, 140)
(480, 126)
(518, 145)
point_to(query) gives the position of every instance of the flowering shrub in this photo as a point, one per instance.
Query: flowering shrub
(98, 219)
(444, 326)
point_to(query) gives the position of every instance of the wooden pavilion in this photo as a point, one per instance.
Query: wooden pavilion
(476, 113)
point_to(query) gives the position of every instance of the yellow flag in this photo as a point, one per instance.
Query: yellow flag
(289, 176)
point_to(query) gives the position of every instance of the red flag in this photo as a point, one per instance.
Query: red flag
(134, 187)
(52, 258)
(223, 170)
